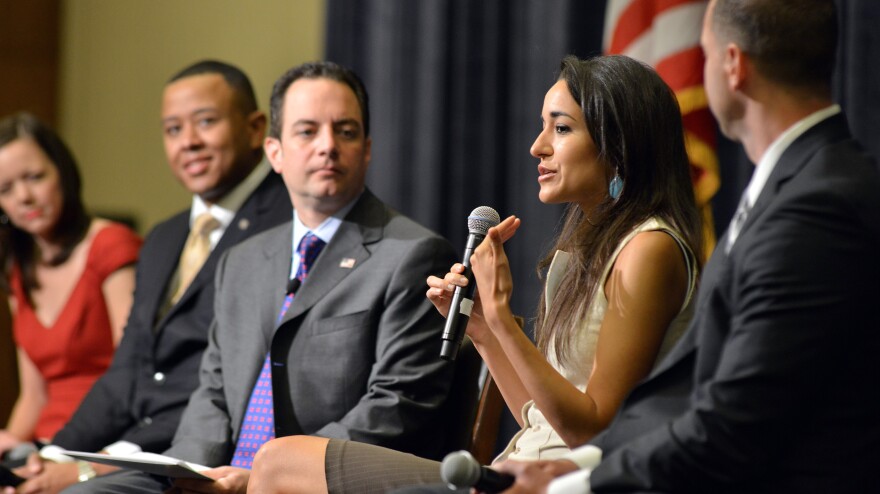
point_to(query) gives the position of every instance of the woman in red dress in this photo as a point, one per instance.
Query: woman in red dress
(69, 276)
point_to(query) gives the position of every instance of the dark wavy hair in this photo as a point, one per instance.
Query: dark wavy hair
(635, 122)
(17, 246)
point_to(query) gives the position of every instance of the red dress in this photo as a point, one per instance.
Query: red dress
(73, 352)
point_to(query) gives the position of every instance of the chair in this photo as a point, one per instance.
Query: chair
(487, 422)
(476, 405)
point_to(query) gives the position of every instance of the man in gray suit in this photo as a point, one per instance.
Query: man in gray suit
(774, 387)
(355, 356)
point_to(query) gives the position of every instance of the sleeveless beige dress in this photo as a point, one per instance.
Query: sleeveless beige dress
(537, 440)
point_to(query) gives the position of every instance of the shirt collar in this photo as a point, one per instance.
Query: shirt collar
(225, 209)
(325, 231)
(768, 161)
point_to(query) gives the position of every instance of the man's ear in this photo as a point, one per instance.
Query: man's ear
(736, 67)
(256, 124)
(274, 153)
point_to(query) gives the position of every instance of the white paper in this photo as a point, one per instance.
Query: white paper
(147, 462)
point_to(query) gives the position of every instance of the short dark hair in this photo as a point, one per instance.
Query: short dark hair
(235, 77)
(316, 70)
(792, 42)
(73, 223)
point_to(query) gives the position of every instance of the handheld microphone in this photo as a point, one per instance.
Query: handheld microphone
(292, 286)
(460, 470)
(479, 222)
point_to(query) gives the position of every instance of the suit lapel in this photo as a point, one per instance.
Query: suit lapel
(345, 253)
(239, 228)
(274, 269)
(166, 261)
(793, 159)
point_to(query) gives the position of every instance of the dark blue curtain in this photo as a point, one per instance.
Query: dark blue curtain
(456, 90)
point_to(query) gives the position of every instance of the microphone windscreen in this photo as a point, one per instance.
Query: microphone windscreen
(481, 219)
(460, 469)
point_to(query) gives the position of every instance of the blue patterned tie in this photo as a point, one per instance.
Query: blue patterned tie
(258, 425)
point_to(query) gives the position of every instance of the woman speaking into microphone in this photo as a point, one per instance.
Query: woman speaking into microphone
(619, 283)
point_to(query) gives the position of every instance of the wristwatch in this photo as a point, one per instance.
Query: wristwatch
(85, 471)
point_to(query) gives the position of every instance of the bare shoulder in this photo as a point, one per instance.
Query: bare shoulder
(98, 224)
(652, 261)
(119, 230)
(95, 228)
(651, 249)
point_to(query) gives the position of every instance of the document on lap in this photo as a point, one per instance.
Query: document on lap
(147, 462)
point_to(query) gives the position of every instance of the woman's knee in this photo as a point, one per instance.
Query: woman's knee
(287, 462)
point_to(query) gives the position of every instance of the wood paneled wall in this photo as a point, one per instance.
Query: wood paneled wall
(29, 57)
(29, 61)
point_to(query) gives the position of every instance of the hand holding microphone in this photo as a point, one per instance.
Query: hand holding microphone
(479, 222)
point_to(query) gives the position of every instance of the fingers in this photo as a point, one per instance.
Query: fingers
(513, 467)
(451, 280)
(507, 228)
(435, 285)
(34, 463)
(552, 468)
(492, 247)
(498, 235)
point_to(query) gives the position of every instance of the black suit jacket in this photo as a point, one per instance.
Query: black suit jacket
(155, 369)
(774, 387)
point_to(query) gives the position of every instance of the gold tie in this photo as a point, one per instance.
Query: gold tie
(196, 250)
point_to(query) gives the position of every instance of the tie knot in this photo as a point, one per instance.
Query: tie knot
(204, 224)
(309, 248)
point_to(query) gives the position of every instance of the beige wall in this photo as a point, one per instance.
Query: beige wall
(115, 58)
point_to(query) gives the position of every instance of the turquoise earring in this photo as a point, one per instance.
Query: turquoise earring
(615, 187)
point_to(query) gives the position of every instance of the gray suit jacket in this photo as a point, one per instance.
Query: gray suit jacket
(356, 355)
(774, 388)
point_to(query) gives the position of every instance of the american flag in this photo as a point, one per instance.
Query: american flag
(666, 35)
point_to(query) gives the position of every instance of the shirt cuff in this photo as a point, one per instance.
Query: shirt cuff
(587, 456)
(54, 453)
(577, 482)
(122, 448)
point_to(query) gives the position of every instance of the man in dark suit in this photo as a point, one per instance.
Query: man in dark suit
(774, 388)
(213, 136)
(353, 353)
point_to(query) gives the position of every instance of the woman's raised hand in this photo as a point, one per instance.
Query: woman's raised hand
(440, 290)
(492, 270)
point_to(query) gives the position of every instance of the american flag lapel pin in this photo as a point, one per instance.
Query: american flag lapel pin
(346, 262)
